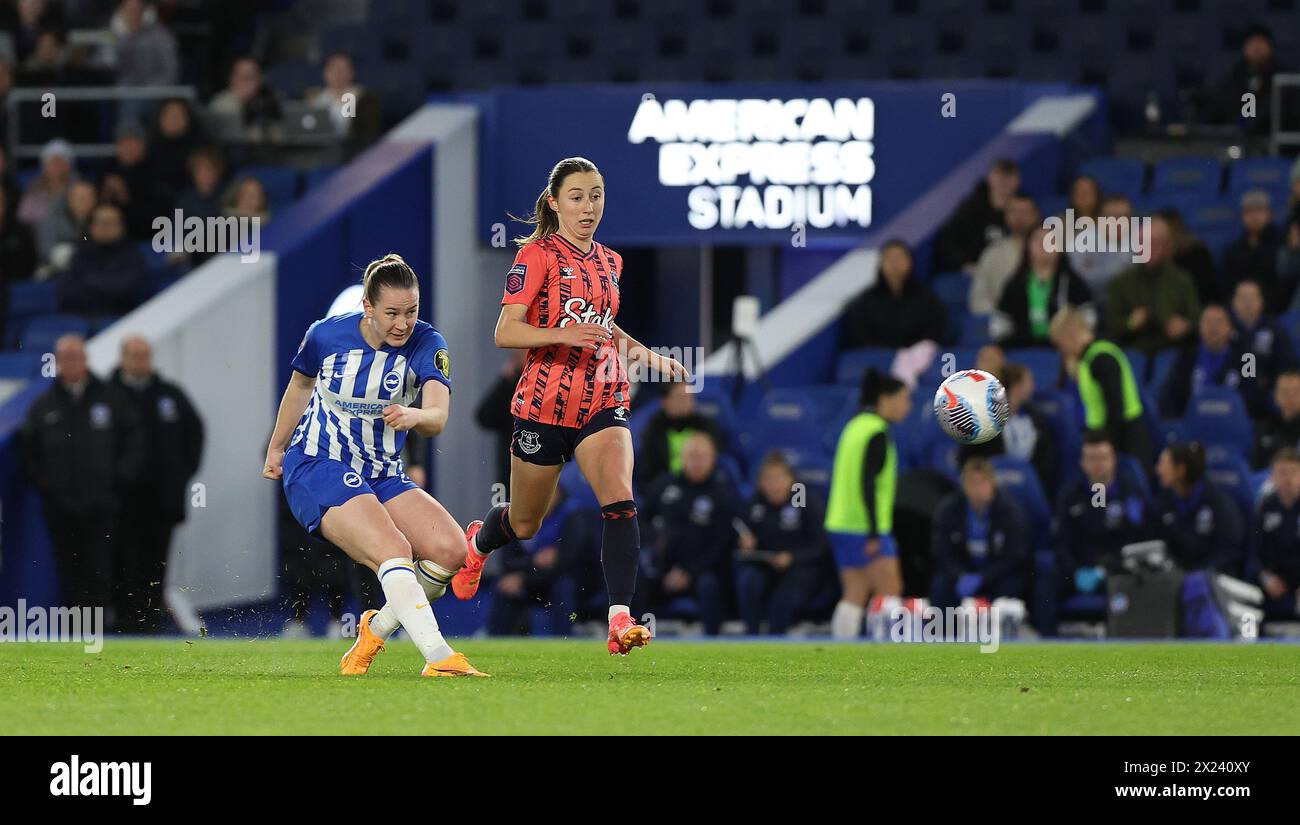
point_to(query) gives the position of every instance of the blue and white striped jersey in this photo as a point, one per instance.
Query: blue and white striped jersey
(354, 382)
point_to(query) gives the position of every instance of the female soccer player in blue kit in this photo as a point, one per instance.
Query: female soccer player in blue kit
(348, 410)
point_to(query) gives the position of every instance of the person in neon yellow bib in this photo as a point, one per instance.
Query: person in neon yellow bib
(1107, 386)
(860, 513)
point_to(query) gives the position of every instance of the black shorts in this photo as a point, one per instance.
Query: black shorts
(550, 444)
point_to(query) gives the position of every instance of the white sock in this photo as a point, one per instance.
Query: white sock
(406, 597)
(615, 609)
(433, 578)
(846, 621)
(473, 543)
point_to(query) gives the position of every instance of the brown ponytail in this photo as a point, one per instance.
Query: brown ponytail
(544, 219)
(391, 271)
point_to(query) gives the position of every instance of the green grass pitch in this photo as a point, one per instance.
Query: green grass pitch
(212, 686)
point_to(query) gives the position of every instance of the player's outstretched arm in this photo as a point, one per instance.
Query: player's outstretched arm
(636, 351)
(292, 403)
(513, 332)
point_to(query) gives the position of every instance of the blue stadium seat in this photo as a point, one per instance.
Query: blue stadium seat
(1187, 174)
(1217, 415)
(963, 359)
(280, 182)
(1060, 409)
(1044, 364)
(27, 298)
(25, 365)
(1161, 365)
(292, 78)
(1258, 173)
(40, 333)
(952, 288)
(1116, 175)
(853, 364)
(1230, 473)
(807, 419)
(974, 330)
(1137, 361)
(1049, 205)
(1019, 481)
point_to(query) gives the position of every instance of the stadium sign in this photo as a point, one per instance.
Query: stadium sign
(764, 163)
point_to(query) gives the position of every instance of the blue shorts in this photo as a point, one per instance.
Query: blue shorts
(849, 549)
(313, 484)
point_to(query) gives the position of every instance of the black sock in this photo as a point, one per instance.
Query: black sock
(496, 530)
(619, 550)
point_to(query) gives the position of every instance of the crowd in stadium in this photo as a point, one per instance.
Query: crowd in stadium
(1174, 383)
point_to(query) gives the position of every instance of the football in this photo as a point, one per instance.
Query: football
(971, 406)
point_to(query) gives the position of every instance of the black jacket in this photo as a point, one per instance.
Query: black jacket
(972, 227)
(1205, 531)
(1272, 433)
(1067, 288)
(1088, 535)
(653, 457)
(786, 528)
(493, 415)
(689, 525)
(81, 454)
(1258, 261)
(1177, 389)
(1275, 540)
(879, 318)
(103, 279)
(1007, 550)
(1044, 455)
(174, 442)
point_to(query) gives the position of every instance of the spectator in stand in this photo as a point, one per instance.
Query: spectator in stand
(667, 430)
(160, 499)
(493, 411)
(1026, 434)
(991, 358)
(1107, 386)
(1212, 361)
(207, 169)
(6, 83)
(17, 252)
(246, 198)
(898, 310)
(688, 518)
(979, 542)
(1254, 254)
(1085, 197)
(174, 137)
(107, 275)
(132, 183)
(146, 50)
(1100, 512)
(33, 17)
(1252, 74)
(1150, 305)
(1280, 428)
(1275, 545)
(1259, 335)
(82, 446)
(1041, 286)
(354, 110)
(782, 555)
(978, 221)
(7, 180)
(1000, 260)
(1194, 258)
(65, 228)
(57, 172)
(538, 571)
(1288, 259)
(50, 61)
(249, 105)
(1198, 522)
(1098, 269)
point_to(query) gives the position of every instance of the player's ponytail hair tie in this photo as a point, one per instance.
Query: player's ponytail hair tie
(544, 219)
(389, 271)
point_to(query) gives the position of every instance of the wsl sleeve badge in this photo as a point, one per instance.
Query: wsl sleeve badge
(515, 278)
(971, 407)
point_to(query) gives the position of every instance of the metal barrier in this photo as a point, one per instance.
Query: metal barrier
(1277, 136)
(94, 94)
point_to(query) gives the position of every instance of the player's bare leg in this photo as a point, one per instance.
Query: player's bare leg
(605, 459)
(363, 529)
(532, 487)
(855, 586)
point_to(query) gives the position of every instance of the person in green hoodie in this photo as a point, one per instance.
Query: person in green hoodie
(1150, 306)
(860, 513)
